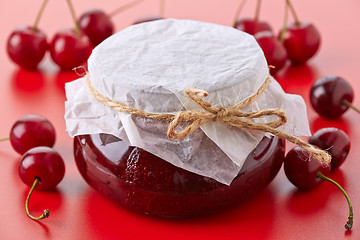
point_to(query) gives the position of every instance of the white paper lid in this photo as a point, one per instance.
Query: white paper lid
(148, 66)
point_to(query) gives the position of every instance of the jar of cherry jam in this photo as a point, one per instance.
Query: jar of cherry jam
(165, 122)
(142, 182)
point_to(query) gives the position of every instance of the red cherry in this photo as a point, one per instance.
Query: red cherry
(302, 41)
(335, 142)
(27, 46)
(97, 25)
(274, 51)
(301, 169)
(330, 96)
(43, 163)
(70, 49)
(252, 26)
(306, 172)
(41, 168)
(31, 131)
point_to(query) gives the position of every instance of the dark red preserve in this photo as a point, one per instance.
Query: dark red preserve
(144, 183)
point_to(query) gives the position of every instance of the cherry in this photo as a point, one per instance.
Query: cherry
(43, 163)
(335, 142)
(97, 25)
(30, 131)
(27, 45)
(70, 48)
(301, 39)
(41, 168)
(301, 169)
(306, 172)
(274, 51)
(331, 96)
(250, 25)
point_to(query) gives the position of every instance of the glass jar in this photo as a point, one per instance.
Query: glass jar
(142, 182)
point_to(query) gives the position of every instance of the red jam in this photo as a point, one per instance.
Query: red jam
(142, 182)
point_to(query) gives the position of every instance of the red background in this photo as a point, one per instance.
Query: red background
(78, 212)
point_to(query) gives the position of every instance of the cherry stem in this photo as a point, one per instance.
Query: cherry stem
(286, 15)
(293, 12)
(257, 11)
(38, 16)
(162, 8)
(46, 211)
(4, 139)
(347, 103)
(238, 11)
(124, 7)
(350, 221)
(73, 15)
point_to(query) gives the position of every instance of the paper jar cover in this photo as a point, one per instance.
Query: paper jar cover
(148, 66)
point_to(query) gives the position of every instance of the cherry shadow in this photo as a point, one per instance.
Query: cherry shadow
(320, 122)
(28, 81)
(45, 228)
(303, 203)
(40, 200)
(297, 79)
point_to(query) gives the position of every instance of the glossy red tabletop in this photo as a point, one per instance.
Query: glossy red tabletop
(79, 212)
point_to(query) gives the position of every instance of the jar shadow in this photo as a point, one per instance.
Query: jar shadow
(240, 218)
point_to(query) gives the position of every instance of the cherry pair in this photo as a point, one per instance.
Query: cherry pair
(69, 48)
(306, 172)
(40, 166)
(297, 42)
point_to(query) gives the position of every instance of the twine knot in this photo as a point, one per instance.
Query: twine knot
(221, 113)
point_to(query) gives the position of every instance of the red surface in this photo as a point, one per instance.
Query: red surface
(78, 212)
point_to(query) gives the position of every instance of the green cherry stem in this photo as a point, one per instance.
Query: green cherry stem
(46, 211)
(73, 15)
(4, 139)
(350, 221)
(238, 11)
(124, 7)
(38, 16)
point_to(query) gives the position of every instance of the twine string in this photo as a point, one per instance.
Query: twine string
(191, 120)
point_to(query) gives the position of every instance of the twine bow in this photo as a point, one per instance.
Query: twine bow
(232, 116)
